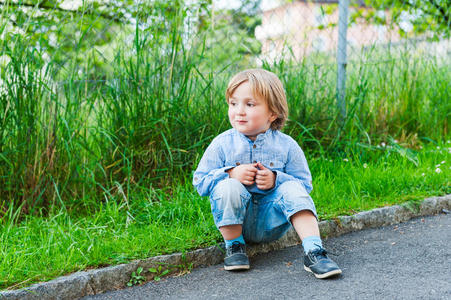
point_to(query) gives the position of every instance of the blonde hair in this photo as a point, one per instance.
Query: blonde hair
(267, 85)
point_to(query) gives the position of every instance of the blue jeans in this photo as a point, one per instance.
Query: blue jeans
(264, 218)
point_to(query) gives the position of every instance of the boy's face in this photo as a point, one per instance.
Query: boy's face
(249, 114)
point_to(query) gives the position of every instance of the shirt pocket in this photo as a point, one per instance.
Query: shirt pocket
(274, 161)
(236, 160)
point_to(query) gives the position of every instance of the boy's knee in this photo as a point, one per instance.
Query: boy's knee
(230, 191)
(229, 200)
(229, 186)
(293, 189)
(294, 198)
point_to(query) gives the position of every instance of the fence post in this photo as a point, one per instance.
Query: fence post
(343, 6)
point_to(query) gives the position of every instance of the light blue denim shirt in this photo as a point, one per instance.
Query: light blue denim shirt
(274, 149)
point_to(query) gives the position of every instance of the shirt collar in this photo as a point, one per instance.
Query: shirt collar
(260, 138)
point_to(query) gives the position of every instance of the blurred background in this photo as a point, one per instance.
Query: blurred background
(106, 99)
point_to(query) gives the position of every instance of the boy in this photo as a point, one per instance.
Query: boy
(257, 178)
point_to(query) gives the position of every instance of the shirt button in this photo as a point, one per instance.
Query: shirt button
(255, 146)
(271, 164)
(237, 163)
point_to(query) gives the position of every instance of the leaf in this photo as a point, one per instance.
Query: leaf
(404, 152)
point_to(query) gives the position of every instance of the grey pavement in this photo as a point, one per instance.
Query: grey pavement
(410, 260)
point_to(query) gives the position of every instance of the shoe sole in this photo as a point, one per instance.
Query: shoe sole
(238, 267)
(325, 275)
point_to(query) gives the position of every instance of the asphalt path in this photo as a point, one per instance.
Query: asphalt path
(411, 260)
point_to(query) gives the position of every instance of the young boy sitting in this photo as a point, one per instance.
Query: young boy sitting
(257, 177)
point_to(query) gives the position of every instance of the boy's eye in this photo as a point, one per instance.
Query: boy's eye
(250, 104)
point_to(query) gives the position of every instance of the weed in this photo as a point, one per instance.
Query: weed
(159, 272)
(136, 277)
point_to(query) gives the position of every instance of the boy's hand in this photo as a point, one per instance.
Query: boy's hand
(244, 173)
(265, 178)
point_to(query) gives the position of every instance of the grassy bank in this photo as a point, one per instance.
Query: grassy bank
(39, 248)
(78, 140)
(96, 153)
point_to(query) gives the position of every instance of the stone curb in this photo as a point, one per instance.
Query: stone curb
(97, 281)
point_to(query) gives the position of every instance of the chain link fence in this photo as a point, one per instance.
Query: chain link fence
(86, 36)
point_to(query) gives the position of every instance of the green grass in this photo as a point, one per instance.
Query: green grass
(39, 248)
(96, 158)
(148, 121)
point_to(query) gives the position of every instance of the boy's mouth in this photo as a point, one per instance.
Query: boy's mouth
(241, 121)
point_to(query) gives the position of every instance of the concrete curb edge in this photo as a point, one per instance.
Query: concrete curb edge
(80, 284)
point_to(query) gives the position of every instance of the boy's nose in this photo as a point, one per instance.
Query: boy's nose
(241, 110)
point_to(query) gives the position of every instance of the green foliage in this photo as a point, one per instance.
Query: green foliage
(79, 133)
(432, 17)
(236, 27)
(136, 277)
(410, 18)
(106, 110)
(404, 152)
(70, 144)
(42, 247)
(158, 272)
(79, 39)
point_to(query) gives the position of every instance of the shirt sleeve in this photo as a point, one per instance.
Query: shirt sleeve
(211, 169)
(296, 168)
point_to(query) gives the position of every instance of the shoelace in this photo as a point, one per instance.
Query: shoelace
(320, 253)
(323, 251)
(236, 247)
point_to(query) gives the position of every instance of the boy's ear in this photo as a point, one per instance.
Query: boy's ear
(273, 117)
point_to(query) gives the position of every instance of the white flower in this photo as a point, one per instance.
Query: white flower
(383, 144)
(442, 162)
(365, 165)
(422, 174)
(438, 147)
(396, 141)
(345, 159)
(437, 165)
(421, 147)
(449, 150)
(438, 170)
(448, 142)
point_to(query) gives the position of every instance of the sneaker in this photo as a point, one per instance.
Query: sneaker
(236, 258)
(318, 263)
